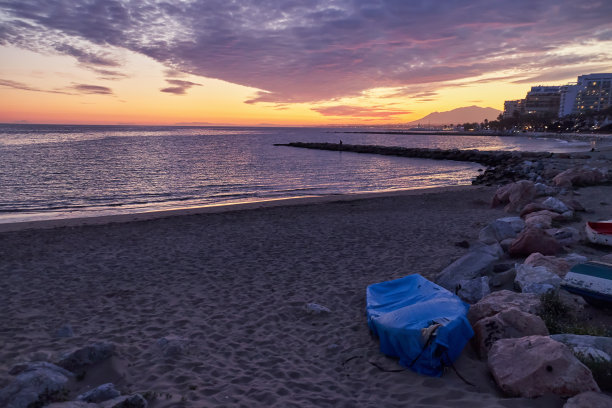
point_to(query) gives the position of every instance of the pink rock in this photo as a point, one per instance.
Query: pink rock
(589, 399)
(532, 240)
(496, 302)
(537, 365)
(509, 323)
(557, 265)
(531, 207)
(580, 176)
(517, 195)
(539, 219)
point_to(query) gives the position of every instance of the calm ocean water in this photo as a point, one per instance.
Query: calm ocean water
(55, 171)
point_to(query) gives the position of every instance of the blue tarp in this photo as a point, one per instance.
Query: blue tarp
(397, 312)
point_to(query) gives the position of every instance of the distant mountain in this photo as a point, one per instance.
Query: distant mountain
(458, 116)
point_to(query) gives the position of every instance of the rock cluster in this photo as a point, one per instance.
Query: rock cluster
(524, 360)
(43, 383)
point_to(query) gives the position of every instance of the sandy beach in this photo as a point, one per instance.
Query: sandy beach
(230, 288)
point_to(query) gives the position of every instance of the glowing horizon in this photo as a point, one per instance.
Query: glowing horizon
(327, 63)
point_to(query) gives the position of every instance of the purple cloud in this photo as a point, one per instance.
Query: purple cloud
(180, 87)
(315, 50)
(92, 89)
(7, 83)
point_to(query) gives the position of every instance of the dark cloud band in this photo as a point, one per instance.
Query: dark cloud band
(315, 50)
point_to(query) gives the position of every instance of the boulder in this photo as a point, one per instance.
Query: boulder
(589, 399)
(172, 345)
(516, 195)
(532, 207)
(35, 383)
(582, 343)
(496, 302)
(509, 323)
(566, 236)
(473, 290)
(101, 393)
(536, 279)
(503, 278)
(539, 219)
(532, 240)
(477, 262)
(580, 176)
(556, 205)
(544, 190)
(533, 366)
(501, 229)
(86, 356)
(559, 266)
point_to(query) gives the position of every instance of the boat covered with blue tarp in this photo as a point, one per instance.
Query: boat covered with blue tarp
(421, 323)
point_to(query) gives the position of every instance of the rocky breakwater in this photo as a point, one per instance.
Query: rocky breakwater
(487, 158)
(501, 167)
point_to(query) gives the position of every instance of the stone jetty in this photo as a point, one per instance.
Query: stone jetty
(501, 166)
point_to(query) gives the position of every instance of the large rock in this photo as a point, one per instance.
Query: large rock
(534, 240)
(473, 290)
(86, 356)
(502, 300)
(502, 279)
(556, 205)
(509, 323)
(35, 383)
(532, 207)
(536, 279)
(559, 266)
(516, 195)
(539, 219)
(582, 343)
(537, 365)
(580, 176)
(589, 399)
(501, 229)
(101, 393)
(478, 261)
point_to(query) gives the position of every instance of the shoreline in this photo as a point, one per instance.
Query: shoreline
(215, 209)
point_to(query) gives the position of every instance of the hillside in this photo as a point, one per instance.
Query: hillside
(458, 115)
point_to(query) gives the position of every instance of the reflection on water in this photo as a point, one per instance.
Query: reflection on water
(48, 171)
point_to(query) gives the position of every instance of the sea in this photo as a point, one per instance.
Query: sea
(64, 171)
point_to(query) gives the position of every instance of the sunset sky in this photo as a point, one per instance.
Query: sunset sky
(287, 62)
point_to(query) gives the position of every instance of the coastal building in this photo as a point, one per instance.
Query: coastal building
(593, 93)
(567, 99)
(513, 108)
(543, 100)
